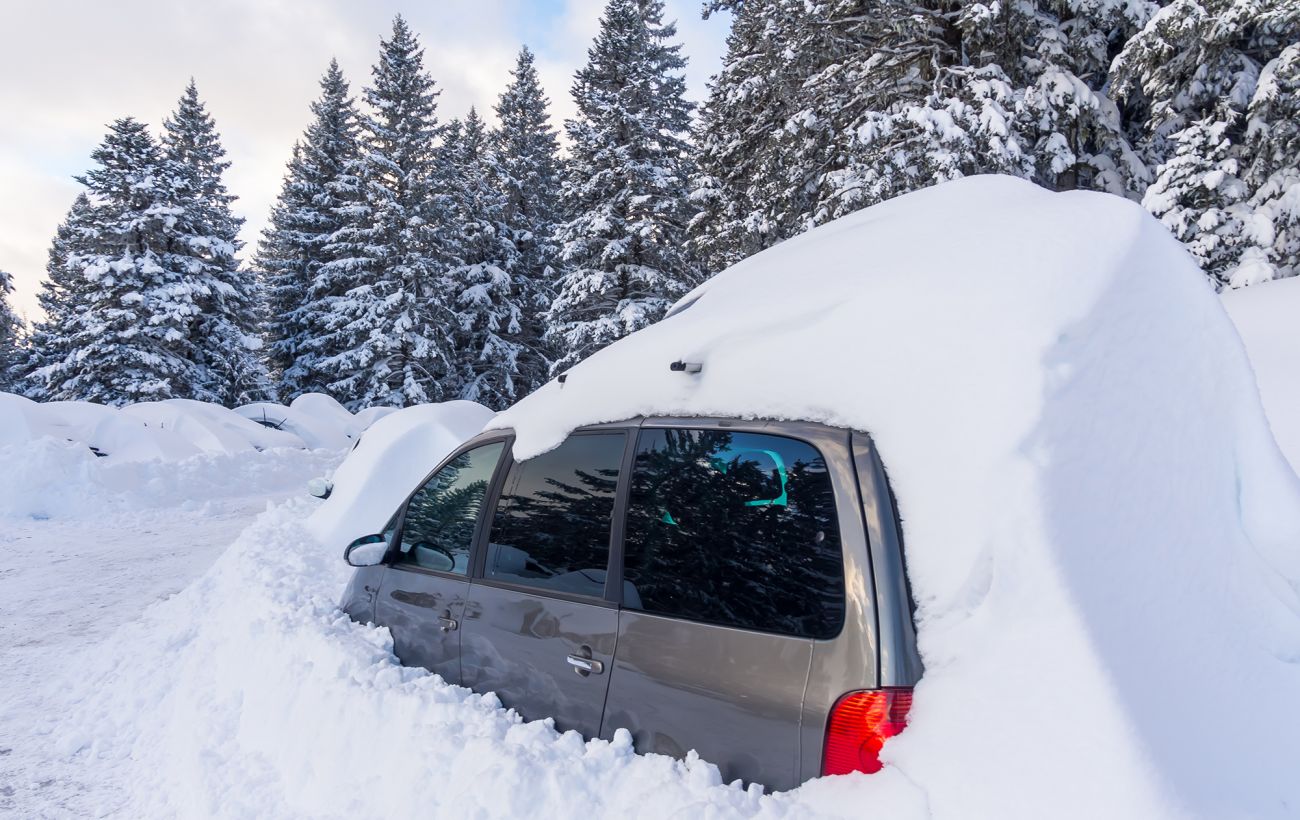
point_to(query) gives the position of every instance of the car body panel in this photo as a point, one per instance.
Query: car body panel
(732, 695)
(517, 643)
(424, 610)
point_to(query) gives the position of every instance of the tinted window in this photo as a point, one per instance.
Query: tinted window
(551, 527)
(439, 528)
(737, 529)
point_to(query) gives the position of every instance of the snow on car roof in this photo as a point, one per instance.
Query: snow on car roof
(1102, 535)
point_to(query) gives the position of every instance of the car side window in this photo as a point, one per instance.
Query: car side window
(438, 530)
(551, 528)
(736, 529)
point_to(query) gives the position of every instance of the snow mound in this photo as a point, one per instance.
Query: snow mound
(389, 461)
(1267, 316)
(319, 421)
(1102, 535)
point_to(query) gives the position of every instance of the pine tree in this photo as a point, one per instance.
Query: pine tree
(1200, 197)
(320, 198)
(226, 342)
(526, 168)
(1272, 144)
(748, 193)
(62, 297)
(1226, 66)
(126, 332)
(11, 331)
(393, 321)
(488, 342)
(623, 254)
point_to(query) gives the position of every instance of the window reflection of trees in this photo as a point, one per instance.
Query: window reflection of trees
(443, 513)
(699, 545)
(559, 515)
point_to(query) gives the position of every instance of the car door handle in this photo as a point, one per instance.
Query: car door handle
(447, 624)
(585, 666)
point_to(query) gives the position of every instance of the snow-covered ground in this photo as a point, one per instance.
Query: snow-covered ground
(1268, 318)
(1103, 538)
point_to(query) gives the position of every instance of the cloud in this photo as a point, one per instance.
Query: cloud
(70, 68)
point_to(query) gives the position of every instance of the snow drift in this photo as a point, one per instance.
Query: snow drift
(389, 462)
(69, 458)
(1102, 535)
(1268, 317)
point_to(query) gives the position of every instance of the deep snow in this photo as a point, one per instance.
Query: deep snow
(1102, 534)
(1268, 317)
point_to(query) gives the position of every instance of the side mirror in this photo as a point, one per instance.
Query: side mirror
(320, 487)
(366, 551)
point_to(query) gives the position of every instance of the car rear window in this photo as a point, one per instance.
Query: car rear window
(736, 529)
(552, 525)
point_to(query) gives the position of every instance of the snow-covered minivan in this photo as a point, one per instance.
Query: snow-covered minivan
(731, 587)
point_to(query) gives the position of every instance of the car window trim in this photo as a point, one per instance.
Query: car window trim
(473, 444)
(611, 596)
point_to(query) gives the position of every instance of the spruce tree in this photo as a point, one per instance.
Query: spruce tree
(1200, 197)
(1272, 146)
(526, 170)
(62, 297)
(393, 321)
(319, 198)
(1226, 66)
(126, 333)
(226, 341)
(489, 340)
(622, 250)
(11, 332)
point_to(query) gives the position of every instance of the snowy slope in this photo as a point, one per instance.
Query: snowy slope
(1268, 318)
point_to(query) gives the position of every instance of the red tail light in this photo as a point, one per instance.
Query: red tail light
(859, 725)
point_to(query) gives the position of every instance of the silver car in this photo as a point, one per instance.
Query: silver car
(732, 587)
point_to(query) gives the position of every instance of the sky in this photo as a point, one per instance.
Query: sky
(67, 69)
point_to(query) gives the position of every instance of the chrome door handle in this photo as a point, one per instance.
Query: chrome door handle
(585, 666)
(447, 624)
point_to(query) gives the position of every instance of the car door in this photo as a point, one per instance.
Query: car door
(423, 592)
(539, 628)
(731, 570)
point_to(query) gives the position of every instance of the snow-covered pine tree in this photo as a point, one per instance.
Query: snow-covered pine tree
(622, 250)
(747, 195)
(11, 331)
(62, 297)
(1199, 196)
(526, 168)
(226, 342)
(1201, 64)
(489, 344)
(1273, 174)
(394, 323)
(126, 336)
(319, 198)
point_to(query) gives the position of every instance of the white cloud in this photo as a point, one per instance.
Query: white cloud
(70, 68)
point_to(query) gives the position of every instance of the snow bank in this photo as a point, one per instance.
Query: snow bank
(47, 478)
(1102, 535)
(250, 695)
(180, 428)
(389, 461)
(1268, 318)
(72, 459)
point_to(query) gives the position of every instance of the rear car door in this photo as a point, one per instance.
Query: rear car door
(423, 593)
(539, 628)
(731, 568)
